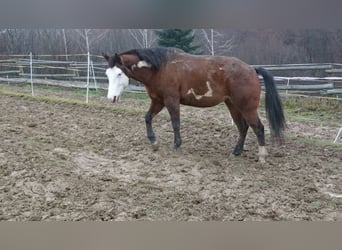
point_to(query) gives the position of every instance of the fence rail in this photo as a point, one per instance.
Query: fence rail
(88, 71)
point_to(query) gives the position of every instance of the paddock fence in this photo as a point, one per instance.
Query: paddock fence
(323, 79)
(88, 71)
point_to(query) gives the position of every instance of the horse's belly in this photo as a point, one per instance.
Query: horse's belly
(201, 101)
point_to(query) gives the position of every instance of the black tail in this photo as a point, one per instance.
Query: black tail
(274, 109)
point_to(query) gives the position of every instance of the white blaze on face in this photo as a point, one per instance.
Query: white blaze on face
(117, 82)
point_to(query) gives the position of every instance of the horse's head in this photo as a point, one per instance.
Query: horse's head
(126, 63)
(116, 77)
(138, 64)
(117, 82)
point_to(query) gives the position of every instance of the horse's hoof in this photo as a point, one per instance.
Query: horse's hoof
(262, 154)
(262, 161)
(155, 146)
(176, 145)
(176, 148)
(237, 151)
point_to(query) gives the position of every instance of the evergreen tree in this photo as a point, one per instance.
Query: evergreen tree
(178, 38)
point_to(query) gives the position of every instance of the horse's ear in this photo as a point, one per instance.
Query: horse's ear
(105, 56)
(117, 58)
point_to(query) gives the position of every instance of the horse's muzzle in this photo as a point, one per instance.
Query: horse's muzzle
(115, 99)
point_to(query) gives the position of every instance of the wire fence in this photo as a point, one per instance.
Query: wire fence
(88, 71)
(73, 70)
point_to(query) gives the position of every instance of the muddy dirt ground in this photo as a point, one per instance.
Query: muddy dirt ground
(64, 161)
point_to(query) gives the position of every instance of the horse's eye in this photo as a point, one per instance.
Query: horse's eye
(119, 74)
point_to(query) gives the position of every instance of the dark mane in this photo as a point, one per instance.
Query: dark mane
(155, 56)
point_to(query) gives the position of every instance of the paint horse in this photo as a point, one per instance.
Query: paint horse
(172, 77)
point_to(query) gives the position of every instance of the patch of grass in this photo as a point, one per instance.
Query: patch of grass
(135, 95)
(72, 91)
(119, 108)
(41, 98)
(307, 105)
(318, 142)
(307, 109)
(26, 88)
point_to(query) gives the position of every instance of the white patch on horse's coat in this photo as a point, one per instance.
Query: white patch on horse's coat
(142, 64)
(209, 93)
(262, 154)
(262, 151)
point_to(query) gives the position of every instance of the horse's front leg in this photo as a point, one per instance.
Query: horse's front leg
(172, 105)
(155, 108)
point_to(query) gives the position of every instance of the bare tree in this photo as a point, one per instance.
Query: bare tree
(90, 36)
(216, 42)
(145, 38)
(252, 46)
(17, 41)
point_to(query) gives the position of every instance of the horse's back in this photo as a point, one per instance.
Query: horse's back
(208, 80)
(230, 72)
(201, 64)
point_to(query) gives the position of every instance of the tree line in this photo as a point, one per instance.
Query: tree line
(252, 46)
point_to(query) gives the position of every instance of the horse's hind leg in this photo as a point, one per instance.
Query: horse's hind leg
(172, 105)
(155, 108)
(241, 125)
(253, 120)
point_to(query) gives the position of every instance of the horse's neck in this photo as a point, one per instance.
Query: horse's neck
(145, 76)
